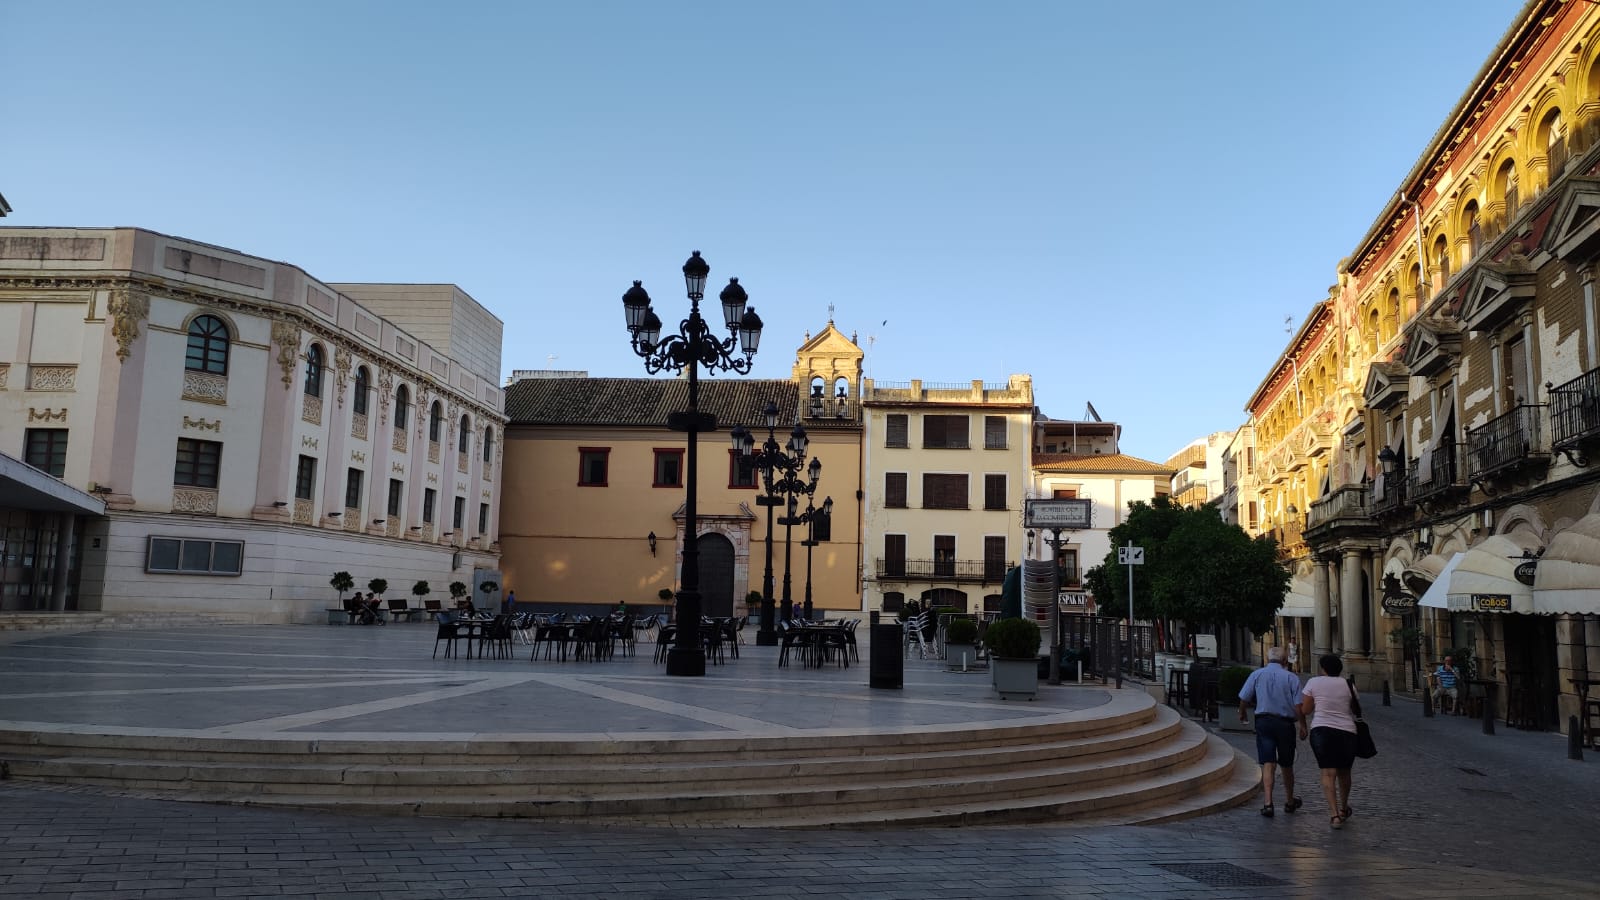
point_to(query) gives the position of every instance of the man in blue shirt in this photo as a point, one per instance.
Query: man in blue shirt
(1274, 691)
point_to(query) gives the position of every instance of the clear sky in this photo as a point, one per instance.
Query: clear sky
(1123, 200)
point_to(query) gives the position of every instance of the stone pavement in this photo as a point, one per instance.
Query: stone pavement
(1424, 827)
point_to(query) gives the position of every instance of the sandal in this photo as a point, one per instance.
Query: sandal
(1267, 810)
(1292, 804)
(1337, 822)
(1346, 813)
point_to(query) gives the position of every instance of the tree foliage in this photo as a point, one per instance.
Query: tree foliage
(342, 582)
(1198, 569)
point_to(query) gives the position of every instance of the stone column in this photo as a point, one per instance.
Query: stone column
(65, 522)
(1350, 612)
(1322, 623)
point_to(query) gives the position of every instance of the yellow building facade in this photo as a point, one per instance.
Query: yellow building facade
(1423, 442)
(592, 510)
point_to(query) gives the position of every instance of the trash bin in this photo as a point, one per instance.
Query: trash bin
(887, 667)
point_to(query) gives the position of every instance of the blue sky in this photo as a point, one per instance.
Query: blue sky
(1123, 200)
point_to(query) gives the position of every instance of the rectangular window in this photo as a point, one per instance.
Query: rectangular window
(994, 491)
(47, 450)
(741, 470)
(668, 469)
(185, 556)
(198, 463)
(894, 490)
(1067, 562)
(592, 463)
(944, 491)
(994, 432)
(944, 432)
(1250, 460)
(894, 555)
(352, 489)
(1255, 518)
(898, 431)
(458, 516)
(305, 478)
(994, 557)
(1064, 494)
(483, 518)
(944, 556)
(428, 495)
(396, 488)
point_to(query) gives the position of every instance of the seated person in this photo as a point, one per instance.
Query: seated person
(370, 610)
(1445, 680)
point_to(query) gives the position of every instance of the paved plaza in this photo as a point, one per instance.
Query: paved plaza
(1444, 811)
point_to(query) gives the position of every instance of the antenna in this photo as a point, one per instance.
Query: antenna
(550, 361)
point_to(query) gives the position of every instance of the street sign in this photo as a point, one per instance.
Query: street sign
(1130, 555)
(1065, 514)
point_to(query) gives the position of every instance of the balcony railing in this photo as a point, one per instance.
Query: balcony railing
(1506, 441)
(974, 570)
(1396, 493)
(1348, 502)
(1575, 410)
(1445, 464)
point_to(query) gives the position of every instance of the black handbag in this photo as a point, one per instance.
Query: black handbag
(1365, 748)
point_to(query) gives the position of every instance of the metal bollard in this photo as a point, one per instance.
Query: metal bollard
(1574, 739)
(1427, 702)
(1386, 692)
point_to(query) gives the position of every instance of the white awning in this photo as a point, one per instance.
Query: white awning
(1484, 581)
(1568, 577)
(1434, 596)
(1300, 602)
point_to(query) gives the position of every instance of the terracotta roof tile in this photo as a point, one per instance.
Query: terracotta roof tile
(647, 401)
(1100, 463)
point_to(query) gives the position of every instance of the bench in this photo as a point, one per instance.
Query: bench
(398, 608)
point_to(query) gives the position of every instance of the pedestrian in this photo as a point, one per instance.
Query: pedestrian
(1444, 679)
(1274, 691)
(1327, 706)
(511, 601)
(1292, 658)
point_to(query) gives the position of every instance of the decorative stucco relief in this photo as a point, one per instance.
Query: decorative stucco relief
(307, 440)
(311, 410)
(5, 373)
(352, 519)
(461, 462)
(195, 501)
(358, 456)
(205, 387)
(128, 309)
(399, 444)
(433, 451)
(385, 394)
(287, 336)
(302, 511)
(358, 426)
(202, 424)
(342, 360)
(47, 414)
(52, 378)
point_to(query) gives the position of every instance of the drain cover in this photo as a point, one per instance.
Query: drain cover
(1221, 875)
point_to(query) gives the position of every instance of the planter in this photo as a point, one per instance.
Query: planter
(1015, 679)
(955, 653)
(1228, 718)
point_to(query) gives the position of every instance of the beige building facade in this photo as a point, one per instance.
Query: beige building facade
(947, 469)
(596, 487)
(249, 428)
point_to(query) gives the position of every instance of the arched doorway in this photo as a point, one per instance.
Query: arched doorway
(716, 574)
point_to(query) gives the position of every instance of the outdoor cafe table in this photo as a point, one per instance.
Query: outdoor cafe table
(814, 641)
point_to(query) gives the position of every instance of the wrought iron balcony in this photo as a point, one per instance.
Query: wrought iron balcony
(979, 571)
(1446, 474)
(1343, 513)
(1506, 442)
(1575, 411)
(1395, 496)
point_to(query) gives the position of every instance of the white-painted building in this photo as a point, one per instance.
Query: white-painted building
(250, 429)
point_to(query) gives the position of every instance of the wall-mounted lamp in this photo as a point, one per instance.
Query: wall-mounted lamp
(447, 534)
(652, 539)
(378, 521)
(416, 528)
(335, 515)
(1293, 511)
(1030, 541)
(100, 489)
(280, 503)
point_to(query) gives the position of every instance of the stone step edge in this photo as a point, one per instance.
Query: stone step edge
(1158, 730)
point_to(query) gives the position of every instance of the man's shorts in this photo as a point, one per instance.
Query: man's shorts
(1275, 740)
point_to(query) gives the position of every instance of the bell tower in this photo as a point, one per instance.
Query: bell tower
(827, 376)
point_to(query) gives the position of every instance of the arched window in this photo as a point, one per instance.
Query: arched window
(1372, 332)
(1441, 259)
(488, 445)
(208, 346)
(402, 406)
(1550, 137)
(464, 440)
(1505, 186)
(435, 421)
(314, 371)
(1469, 220)
(363, 385)
(1391, 314)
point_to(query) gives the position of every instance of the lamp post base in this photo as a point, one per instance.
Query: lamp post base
(765, 638)
(682, 661)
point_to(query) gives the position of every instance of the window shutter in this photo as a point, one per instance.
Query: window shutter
(894, 490)
(994, 492)
(898, 429)
(944, 491)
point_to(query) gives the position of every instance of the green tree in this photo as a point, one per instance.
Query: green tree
(342, 582)
(458, 589)
(378, 586)
(420, 589)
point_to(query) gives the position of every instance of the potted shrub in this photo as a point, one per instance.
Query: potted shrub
(960, 643)
(1229, 681)
(1014, 658)
(458, 590)
(488, 588)
(420, 590)
(340, 582)
(378, 586)
(752, 603)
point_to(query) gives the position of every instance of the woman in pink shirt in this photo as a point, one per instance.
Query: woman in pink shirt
(1332, 732)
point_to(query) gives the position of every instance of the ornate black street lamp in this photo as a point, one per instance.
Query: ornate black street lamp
(794, 487)
(779, 471)
(815, 516)
(691, 348)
